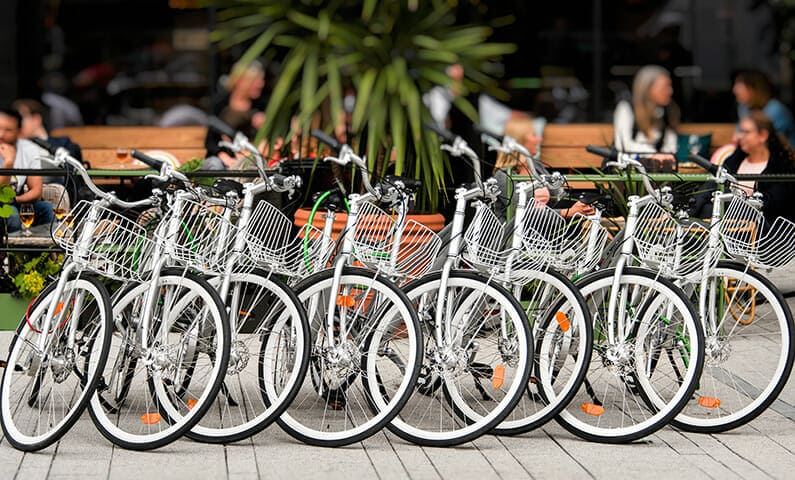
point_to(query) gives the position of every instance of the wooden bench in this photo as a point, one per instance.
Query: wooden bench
(563, 147)
(99, 143)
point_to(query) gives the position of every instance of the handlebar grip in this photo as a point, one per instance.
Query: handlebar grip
(219, 126)
(152, 162)
(703, 163)
(278, 179)
(607, 153)
(44, 144)
(479, 129)
(327, 139)
(446, 135)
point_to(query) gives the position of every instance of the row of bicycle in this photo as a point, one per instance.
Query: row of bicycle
(223, 320)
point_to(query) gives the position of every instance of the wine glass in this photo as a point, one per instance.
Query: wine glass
(26, 216)
(122, 155)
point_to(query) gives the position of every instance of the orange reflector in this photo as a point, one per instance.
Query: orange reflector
(709, 402)
(533, 380)
(58, 308)
(499, 376)
(243, 313)
(563, 321)
(345, 301)
(191, 403)
(150, 418)
(593, 409)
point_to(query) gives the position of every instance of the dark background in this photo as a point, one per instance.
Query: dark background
(125, 62)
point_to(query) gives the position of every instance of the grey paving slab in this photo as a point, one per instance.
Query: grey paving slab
(764, 449)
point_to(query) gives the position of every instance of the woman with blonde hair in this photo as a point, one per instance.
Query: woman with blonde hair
(522, 128)
(648, 124)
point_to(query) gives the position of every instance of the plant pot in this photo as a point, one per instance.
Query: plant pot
(12, 309)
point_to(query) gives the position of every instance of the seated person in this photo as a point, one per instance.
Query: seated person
(34, 125)
(242, 109)
(761, 151)
(19, 153)
(648, 124)
(522, 129)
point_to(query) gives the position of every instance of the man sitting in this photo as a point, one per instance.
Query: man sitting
(22, 154)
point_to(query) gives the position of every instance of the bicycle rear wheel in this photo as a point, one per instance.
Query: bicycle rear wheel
(641, 377)
(749, 336)
(472, 380)
(150, 396)
(270, 346)
(44, 392)
(358, 381)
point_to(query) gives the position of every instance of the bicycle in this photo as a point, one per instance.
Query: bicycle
(640, 319)
(477, 347)
(171, 342)
(748, 325)
(61, 346)
(269, 328)
(365, 344)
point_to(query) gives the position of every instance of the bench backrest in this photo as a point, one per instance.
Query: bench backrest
(99, 143)
(563, 146)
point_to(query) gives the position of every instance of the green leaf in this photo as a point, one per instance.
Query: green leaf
(397, 120)
(7, 193)
(363, 97)
(6, 211)
(263, 41)
(335, 87)
(368, 7)
(283, 86)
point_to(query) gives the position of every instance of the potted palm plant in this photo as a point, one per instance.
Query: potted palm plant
(390, 52)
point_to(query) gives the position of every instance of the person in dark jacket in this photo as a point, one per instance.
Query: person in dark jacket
(761, 150)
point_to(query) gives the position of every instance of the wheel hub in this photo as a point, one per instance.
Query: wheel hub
(342, 361)
(717, 351)
(238, 357)
(61, 364)
(619, 358)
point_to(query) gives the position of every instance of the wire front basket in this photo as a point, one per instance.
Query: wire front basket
(273, 245)
(103, 241)
(401, 252)
(746, 235)
(677, 249)
(204, 239)
(570, 246)
(487, 242)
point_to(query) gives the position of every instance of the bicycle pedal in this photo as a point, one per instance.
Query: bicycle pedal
(593, 409)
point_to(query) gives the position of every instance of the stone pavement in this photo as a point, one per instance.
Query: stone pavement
(763, 449)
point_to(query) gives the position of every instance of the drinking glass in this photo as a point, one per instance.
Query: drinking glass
(122, 154)
(26, 216)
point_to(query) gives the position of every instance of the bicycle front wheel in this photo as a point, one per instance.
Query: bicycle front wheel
(563, 337)
(749, 355)
(160, 380)
(475, 373)
(363, 365)
(269, 355)
(45, 391)
(647, 357)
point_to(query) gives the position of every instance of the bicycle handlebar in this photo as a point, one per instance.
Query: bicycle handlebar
(327, 139)
(446, 135)
(607, 153)
(44, 144)
(154, 163)
(703, 163)
(479, 129)
(218, 125)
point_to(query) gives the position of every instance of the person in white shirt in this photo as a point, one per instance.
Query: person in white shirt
(648, 124)
(21, 154)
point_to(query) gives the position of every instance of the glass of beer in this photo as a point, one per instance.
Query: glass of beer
(26, 216)
(122, 154)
